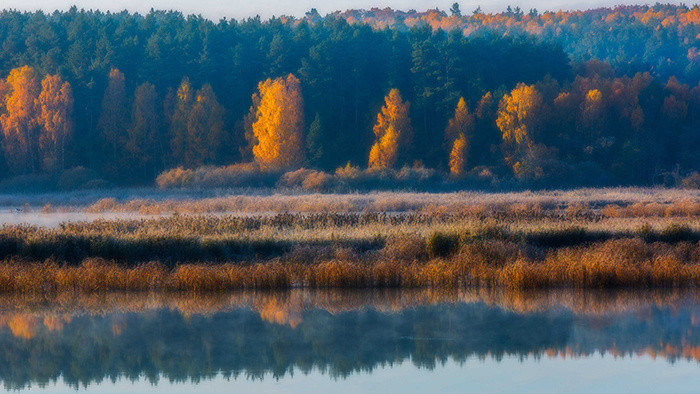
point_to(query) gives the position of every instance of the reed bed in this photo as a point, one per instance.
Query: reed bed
(579, 239)
(613, 202)
(613, 263)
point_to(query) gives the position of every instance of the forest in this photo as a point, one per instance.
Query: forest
(355, 99)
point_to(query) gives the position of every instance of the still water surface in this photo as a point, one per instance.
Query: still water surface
(323, 341)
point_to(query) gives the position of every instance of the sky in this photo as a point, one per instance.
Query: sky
(237, 9)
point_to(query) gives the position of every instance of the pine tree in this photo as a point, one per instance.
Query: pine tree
(178, 134)
(314, 143)
(205, 129)
(114, 121)
(143, 132)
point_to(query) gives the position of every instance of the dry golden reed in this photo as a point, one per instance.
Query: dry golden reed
(608, 264)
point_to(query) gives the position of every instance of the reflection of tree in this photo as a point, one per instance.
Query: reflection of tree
(89, 338)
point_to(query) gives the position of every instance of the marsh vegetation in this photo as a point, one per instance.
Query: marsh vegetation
(583, 239)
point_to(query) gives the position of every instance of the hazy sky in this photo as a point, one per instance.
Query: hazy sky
(215, 9)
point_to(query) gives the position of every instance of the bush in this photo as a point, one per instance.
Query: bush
(307, 180)
(235, 175)
(676, 233)
(79, 178)
(442, 244)
(692, 181)
(175, 178)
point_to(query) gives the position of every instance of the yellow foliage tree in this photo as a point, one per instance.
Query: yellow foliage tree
(517, 119)
(19, 123)
(517, 113)
(279, 124)
(54, 108)
(459, 128)
(461, 123)
(393, 132)
(458, 156)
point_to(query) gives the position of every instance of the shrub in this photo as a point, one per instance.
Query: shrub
(676, 232)
(348, 172)
(235, 175)
(442, 244)
(175, 178)
(306, 179)
(692, 181)
(78, 178)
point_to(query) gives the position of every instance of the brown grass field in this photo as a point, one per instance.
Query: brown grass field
(588, 238)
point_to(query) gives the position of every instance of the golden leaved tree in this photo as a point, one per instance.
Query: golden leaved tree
(19, 122)
(518, 117)
(393, 132)
(54, 110)
(458, 135)
(517, 113)
(279, 124)
(458, 156)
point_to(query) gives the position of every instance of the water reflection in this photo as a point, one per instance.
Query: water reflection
(86, 339)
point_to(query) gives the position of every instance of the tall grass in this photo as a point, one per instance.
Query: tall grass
(408, 243)
(494, 263)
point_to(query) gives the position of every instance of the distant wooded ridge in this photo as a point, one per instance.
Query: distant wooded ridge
(597, 97)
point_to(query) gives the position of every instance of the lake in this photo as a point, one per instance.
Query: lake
(349, 341)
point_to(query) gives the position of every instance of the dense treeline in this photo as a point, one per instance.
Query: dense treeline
(662, 37)
(128, 96)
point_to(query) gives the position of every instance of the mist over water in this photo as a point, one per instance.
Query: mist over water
(216, 9)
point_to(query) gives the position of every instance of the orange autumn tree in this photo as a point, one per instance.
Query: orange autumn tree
(279, 124)
(54, 110)
(458, 156)
(518, 120)
(393, 132)
(19, 122)
(517, 114)
(457, 136)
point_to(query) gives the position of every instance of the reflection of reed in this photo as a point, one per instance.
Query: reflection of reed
(25, 315)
